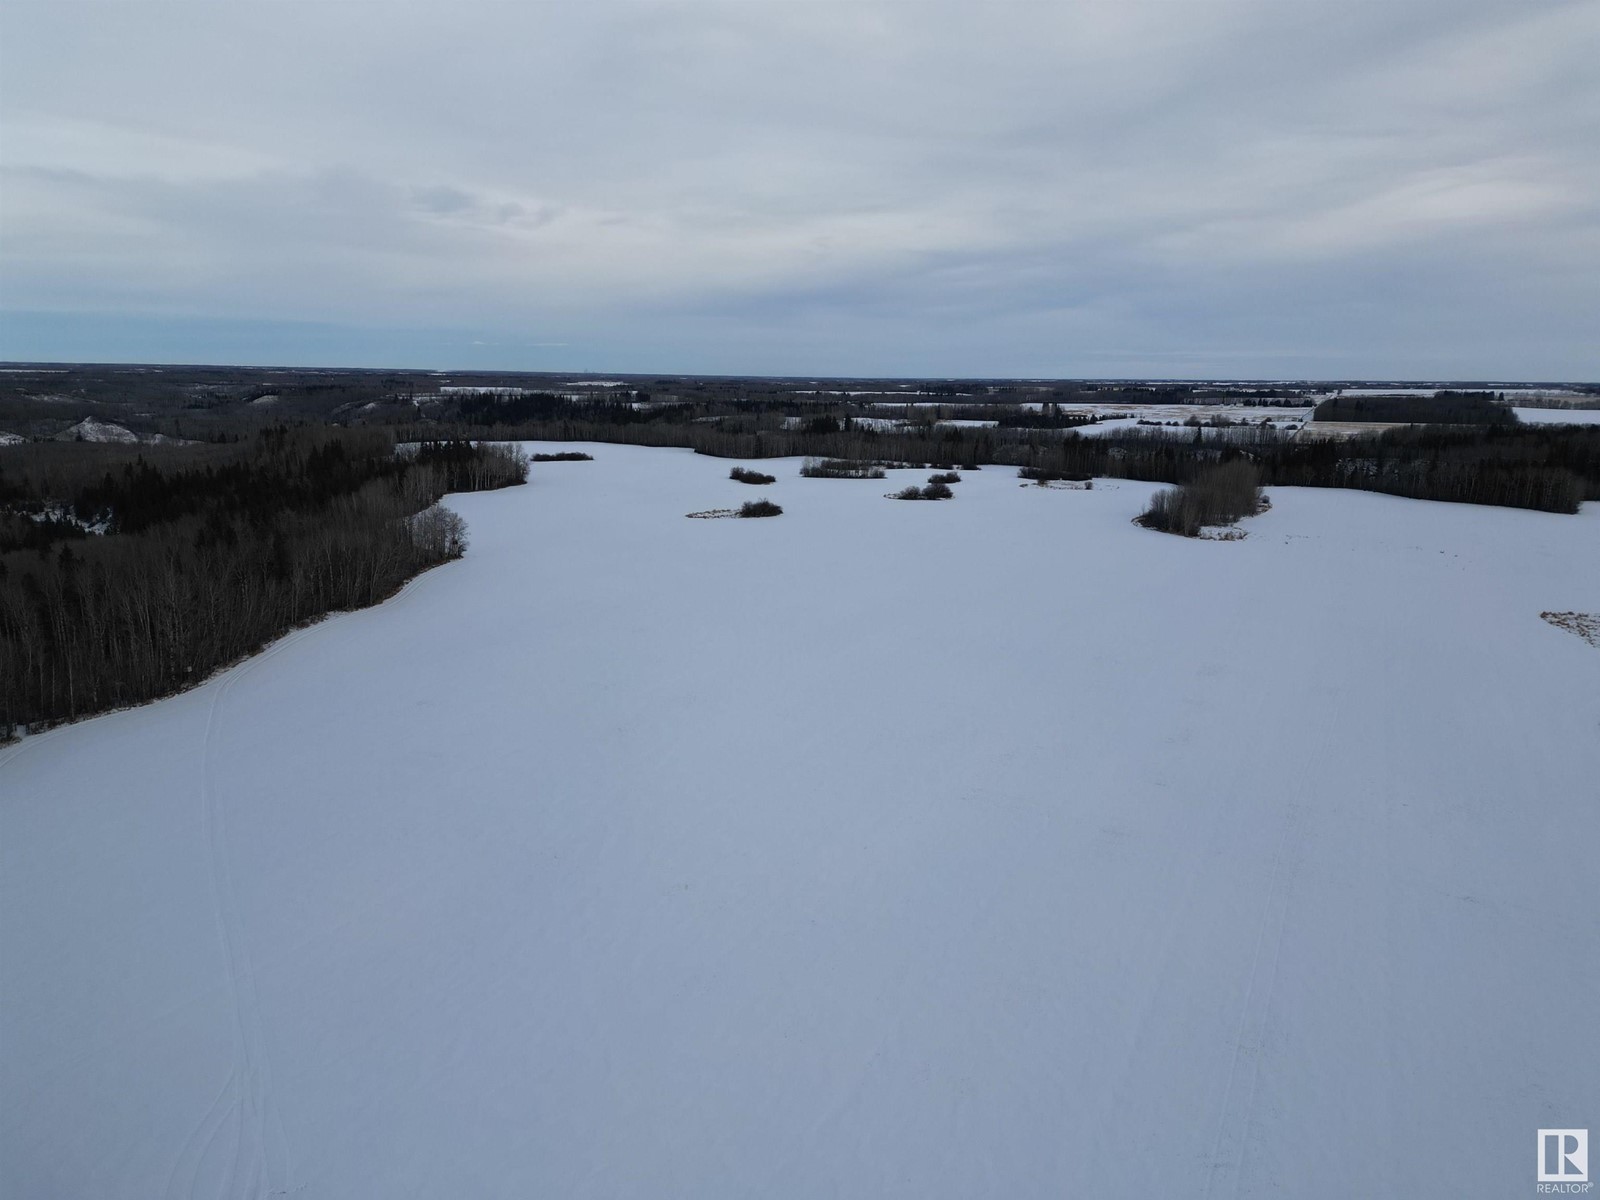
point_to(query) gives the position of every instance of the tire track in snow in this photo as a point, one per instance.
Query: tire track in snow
(229, 936)
(1230, 1149)
(30, 741)
(1174, 934)
(255, 1102)
(1255, 1014)
(197, 1149)
(193, 1151)
(1208, 834)
(1236, 1116)
(262, 1153)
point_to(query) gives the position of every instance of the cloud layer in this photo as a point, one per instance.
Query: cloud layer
(1239, 189)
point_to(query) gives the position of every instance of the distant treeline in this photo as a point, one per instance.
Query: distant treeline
(1522, 466)
(211, 403)
(1516, 466)
(202, 554)
(1049, 416)
(1441, 408)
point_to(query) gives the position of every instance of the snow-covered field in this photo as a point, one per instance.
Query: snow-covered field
(994, 847)
(470, 389)
(91, 430)
(1252, 413)
(1558, 416)
(1115, 418)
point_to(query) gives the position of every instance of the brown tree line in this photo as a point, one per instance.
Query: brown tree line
(298, 524)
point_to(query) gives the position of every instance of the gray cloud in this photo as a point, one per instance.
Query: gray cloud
(1129, 188)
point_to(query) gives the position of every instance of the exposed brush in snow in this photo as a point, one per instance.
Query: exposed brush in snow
(1219, 496)
(840, 468)
(1585, 625)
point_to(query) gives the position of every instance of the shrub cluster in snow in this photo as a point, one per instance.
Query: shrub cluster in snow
(840, 468)
(1219, 496)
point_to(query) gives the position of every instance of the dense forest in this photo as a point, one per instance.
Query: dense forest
(1441, 408)
(130, 572)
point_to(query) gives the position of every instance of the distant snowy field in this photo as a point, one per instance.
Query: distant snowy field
(994, 847)
(1558, 416)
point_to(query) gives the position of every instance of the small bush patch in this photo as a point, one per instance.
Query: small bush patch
(947, 477)
(759, 508)
(1219, 496)
(745, 475)
(564, 456)
(1044, 475)
(840, 468)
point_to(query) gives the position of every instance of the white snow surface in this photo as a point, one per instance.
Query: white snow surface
(1389, 391)
(1107, 425)
(990, 847)
(1558, 416)
(91, 430)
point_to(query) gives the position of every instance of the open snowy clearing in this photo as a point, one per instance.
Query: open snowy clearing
(1558, 416)
(989, 847)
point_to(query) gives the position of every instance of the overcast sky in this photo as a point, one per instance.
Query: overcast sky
(1282, 188)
